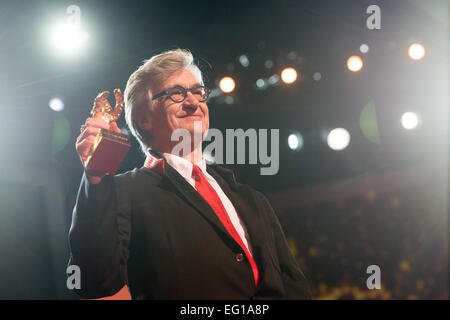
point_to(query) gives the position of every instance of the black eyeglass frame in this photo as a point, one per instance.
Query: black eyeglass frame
(185, 90)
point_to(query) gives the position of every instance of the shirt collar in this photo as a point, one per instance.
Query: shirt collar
(180, 164)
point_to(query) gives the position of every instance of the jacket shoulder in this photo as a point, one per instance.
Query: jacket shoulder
(136, 173)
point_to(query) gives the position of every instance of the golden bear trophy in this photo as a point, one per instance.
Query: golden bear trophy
(110, 147)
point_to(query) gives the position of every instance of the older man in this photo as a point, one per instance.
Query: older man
(176, 228)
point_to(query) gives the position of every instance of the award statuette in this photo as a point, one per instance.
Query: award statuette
(109, 147)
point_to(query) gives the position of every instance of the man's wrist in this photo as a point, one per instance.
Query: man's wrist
(94, 176)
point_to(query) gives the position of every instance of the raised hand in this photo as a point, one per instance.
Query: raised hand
(103, 117)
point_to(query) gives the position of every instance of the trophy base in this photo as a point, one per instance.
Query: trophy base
(108, 151)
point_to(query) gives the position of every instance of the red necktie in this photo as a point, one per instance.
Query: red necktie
(210, 195)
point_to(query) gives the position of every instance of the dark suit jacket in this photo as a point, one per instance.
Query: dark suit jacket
(156, 234)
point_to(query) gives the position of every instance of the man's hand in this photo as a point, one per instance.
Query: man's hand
(86, 139)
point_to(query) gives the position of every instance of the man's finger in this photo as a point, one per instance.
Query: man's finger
(113, 126)
(97, 122)
(88, 131)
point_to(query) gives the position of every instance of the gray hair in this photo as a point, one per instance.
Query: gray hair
(149, 75)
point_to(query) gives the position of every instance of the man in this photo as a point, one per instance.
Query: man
(176, 228)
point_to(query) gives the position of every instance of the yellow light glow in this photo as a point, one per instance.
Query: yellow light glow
(289, 75)
(227, 84)
(416, 51)
(354, 63)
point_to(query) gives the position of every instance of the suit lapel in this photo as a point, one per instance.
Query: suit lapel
(246, 207)
(195, 199)
(241, 197)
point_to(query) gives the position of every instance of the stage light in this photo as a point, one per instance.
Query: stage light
(416, 51)
(68, 39)
(261, 84)
(229, 100)
(268, 64)
(410, 120)
(227, 84)
(338, 139)
(295, 141)
(364, 48)
(56, 104)
(317, 76)
(274, 79)
(292, 55)
(354, 63)
(288, 75)
(243, 60)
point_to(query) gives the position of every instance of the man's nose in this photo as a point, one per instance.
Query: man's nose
(191, 100)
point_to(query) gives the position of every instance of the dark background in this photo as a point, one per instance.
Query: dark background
(383, 203)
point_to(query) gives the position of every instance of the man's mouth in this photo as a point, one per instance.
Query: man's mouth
(193, 116)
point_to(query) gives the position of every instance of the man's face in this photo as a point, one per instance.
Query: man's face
(166, 116)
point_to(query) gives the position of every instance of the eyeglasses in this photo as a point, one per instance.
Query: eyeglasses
(178, 93)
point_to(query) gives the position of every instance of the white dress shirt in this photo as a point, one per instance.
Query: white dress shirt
(184, 168)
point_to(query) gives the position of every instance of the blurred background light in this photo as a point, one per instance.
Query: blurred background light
(67, 39)
(243, 60)
(268, 64)
(410, 120)
(274, 79)
(364, 48)
(295, 141)
(354, 63)
(261, 84)
(289, 75)
(227, 84)
(292, 55)
(56, 104)
(229, 100)
(416, 51)
(338, 139)
(317, 76)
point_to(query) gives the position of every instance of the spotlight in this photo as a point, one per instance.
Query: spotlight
(364, 48)
(317, 76)
(229, 100)
(338, 139)
(354, 63)
(274, 79)
(261, 84)
(416, 51)
(243, 60)
(410, 120)
(288, 75)
(68, 39)
(295, 141)
(56, 104)
(268, 64)
(227, 84)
